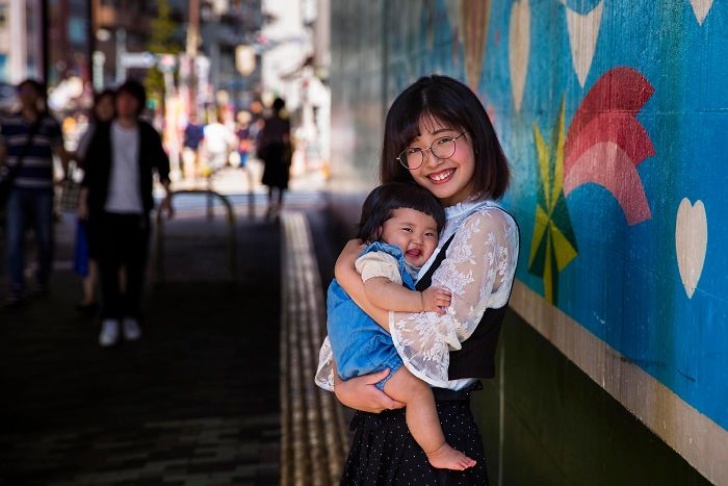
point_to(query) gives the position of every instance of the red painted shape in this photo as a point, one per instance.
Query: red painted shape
(608, 165)
(621, 89)
(619, 127)
(605, 142)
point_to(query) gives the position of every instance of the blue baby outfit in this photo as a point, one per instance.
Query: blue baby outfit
(360, 346)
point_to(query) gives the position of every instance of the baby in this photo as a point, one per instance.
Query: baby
(400, 223)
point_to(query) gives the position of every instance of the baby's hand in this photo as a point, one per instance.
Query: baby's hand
(436, 299)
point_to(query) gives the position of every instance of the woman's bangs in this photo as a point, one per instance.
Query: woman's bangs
(409, 130)
(432, 120)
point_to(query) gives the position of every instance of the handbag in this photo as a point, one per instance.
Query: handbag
(70, 194)
(8, 174)
(80, 249)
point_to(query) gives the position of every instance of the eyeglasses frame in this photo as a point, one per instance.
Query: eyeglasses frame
(423, 151)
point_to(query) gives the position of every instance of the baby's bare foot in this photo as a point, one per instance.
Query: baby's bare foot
(445, 457)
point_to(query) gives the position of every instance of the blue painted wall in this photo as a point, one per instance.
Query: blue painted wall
(625, 284)
(614, 116)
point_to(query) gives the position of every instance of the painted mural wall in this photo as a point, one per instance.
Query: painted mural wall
(614, 116)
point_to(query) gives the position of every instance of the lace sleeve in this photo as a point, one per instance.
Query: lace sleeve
(478, 269)
(325, 370)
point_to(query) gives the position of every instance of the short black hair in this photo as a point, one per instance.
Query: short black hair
(453, 103)
(37, 85)
(384, 199)
(278, 104)
(100, 95)
(135, 89)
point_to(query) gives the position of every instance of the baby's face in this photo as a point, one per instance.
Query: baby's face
(414, 232)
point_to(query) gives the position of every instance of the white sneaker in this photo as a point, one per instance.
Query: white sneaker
(109, 332)
(132, 331)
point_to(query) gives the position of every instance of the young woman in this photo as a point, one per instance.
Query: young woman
(275, 150)
(85, 261)
(438, 135)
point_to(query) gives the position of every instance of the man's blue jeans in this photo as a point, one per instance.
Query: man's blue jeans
(26, 206)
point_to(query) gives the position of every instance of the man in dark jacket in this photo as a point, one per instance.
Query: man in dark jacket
(117, 199)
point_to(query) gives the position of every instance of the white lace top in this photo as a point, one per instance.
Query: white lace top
(478, 269)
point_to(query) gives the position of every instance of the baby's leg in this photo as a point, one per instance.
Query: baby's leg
(423, 422)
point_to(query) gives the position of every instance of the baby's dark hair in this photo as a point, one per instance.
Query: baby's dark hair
(384, 199)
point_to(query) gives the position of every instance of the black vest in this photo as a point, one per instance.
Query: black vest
(476, 359)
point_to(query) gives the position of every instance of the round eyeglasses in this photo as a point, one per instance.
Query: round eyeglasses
(442, 148)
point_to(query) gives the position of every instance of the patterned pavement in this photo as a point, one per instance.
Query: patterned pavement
(197, 401)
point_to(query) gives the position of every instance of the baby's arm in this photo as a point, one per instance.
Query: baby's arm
(350, 279)
(389, 295)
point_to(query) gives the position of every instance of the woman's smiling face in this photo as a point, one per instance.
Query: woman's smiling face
(451, 179)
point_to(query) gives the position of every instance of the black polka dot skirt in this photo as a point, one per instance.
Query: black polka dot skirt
(384, 453)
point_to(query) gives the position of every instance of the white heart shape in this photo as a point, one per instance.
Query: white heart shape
(583, 34)
(691, 241)
(519, 46)
(701, 9)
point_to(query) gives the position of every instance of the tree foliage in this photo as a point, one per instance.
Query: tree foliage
(162, 41)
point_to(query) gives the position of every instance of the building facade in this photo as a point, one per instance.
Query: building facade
(21, 40)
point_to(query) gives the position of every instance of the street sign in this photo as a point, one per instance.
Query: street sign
(138, 59)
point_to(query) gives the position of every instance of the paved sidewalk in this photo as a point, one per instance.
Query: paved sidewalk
(197, 401)
(314, 438)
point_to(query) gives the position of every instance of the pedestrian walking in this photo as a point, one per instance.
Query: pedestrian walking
(84, 255)
(219, 142)
(117, 199)
(276, 151)
(193, 135)
(245, 138)
(28, 140)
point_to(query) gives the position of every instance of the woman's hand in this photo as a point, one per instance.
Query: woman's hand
(82, 210)
(166, 206)
(360, 393)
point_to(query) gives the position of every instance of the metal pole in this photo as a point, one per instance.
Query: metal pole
(192, 41)
(45, 49)
(120, 36)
